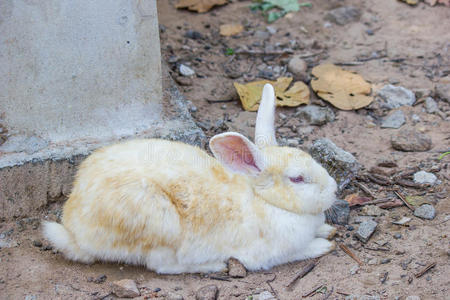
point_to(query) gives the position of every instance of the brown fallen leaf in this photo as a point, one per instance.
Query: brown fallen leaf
(410, 2)
(200, 6)
(355, 199)
(343, 89)
(231, 29)
(250, 93)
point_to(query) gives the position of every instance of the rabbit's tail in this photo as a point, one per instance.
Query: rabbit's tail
(62, 240)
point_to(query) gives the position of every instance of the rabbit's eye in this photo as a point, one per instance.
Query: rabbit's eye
(297, 179)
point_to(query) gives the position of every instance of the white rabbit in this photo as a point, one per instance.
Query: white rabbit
(174, 208)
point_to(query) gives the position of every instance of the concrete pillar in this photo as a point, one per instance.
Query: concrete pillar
(76, 75)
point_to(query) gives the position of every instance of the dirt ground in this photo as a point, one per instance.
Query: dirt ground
(391, 43)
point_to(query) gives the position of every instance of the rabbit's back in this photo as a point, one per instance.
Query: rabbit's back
(145, 194)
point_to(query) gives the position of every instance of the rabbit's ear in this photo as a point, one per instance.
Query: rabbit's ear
(237, 153)
(265, 120)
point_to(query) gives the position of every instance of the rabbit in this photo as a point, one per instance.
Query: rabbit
(174, 208)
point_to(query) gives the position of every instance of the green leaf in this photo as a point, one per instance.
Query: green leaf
(267, 6)
(286, 5)
(273, 16)
(443, 155)
(229, 51)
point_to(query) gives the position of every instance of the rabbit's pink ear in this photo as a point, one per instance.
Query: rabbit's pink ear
(237, 153)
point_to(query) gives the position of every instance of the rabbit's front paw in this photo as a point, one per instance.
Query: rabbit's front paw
(326, 231)
(319, 247)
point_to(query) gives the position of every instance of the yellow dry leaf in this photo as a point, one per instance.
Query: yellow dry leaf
(231, 29)
(250, 93)
(343, 89)
(200, 6)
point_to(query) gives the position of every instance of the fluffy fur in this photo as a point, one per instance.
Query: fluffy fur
(175, 209)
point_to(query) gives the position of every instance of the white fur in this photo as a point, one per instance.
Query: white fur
(265, 120)
(176, 209)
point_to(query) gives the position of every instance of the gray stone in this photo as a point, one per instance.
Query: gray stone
(292, 142)
(354, 270)
(343, 15)
(186, 71)
(265, 295)
(396, 96)
(272, 29)
(415, 118)
(340, 164)
(209, 292)
(431, 106)
(372, 210)
(263, 35)
(125, 288)
(442, 89)
(423, 177)
(394, 120)
(297, 66)
(30, 297)
(236, 269)
(425, 211)
(338, 213)
(365, 230)
(173, 296)
(412, 298)
(409, 140)
(315, 115)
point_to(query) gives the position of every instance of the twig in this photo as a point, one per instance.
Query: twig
(365, 189)
(404, 200)
(426, 269)
(350, 253)
(271, 287)
(409, 183)
(259, 52)
(377, 201)
(219, 278)
(377, 249)
(343, 293)
(314, 291)
(378, 179)
(350, 63)
(308, 268)
(392, 204)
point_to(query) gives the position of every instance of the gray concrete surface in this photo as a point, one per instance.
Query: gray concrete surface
(75, 76)
(29, 182)
(79, 69)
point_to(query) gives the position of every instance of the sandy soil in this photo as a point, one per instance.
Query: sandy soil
(416, 45)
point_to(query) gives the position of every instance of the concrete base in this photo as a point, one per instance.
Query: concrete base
(34, 173)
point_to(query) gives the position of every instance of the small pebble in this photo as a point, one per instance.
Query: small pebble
(37, 243)
(397, 236)
(369, 31)
(157, 290)
(385, 261)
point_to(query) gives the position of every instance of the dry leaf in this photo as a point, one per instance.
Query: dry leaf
(250, 93)
(355, 199)
(411, 2)
(343, 89)
(417, 201)
(200, 6)
(231, 29)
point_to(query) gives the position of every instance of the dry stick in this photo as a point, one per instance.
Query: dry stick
(343, 293)
(426, 269)
(308, 268)
(365, 189)
(271, 287)
(350, 253)
(314, 291)
(378, 201)
(404, 200)
(377, 249)
(219, 278)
